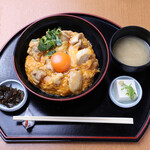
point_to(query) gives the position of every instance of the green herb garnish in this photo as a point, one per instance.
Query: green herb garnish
(50, 40)
(50, 53)
(130, 91)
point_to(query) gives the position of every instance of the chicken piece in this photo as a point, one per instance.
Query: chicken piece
(78, 45)
(33, 50)
(56, 79)
(65, 35)
(85, 43)
(47, 80)
(75, 47)
(48, 65)
(95, 64)
(37, 74)
(83, 55)
(87, 65)
(75, 81)
(75, 38)
(63, 47)
(72, 51)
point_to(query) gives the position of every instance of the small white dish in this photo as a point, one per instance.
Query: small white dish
(127, 104)
(19, 86)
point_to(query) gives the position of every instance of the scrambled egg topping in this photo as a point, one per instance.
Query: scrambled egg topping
(76, 79)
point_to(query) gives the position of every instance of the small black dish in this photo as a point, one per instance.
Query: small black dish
(67, 22)
(129, 31)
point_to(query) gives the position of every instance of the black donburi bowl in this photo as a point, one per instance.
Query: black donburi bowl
(67, 22)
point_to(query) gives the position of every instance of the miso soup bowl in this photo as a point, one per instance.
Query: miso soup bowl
(124, 32)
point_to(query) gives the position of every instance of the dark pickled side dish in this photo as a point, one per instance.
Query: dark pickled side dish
(10, 96)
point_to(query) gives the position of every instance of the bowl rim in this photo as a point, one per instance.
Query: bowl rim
(124, 105)
(110, 46)
(75, 96)
(21, 104)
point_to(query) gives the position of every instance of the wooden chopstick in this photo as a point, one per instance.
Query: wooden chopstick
(115, 120)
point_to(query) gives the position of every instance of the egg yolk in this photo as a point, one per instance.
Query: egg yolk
(60, 61)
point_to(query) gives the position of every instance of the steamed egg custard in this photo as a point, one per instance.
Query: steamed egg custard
(62, 62)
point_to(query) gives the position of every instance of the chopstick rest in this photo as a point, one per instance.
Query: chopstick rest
(112, 120)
